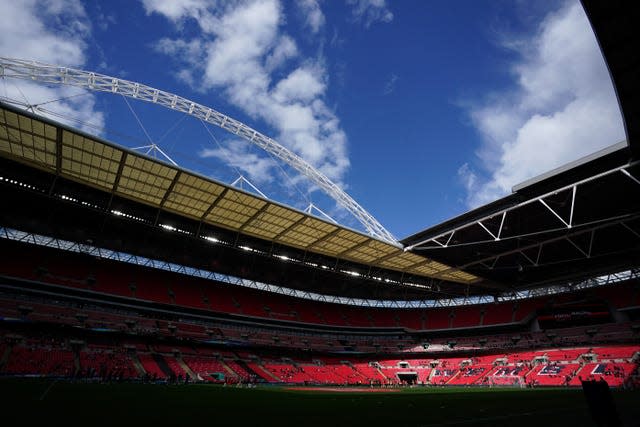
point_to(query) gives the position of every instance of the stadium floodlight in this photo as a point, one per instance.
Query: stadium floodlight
(55, 74)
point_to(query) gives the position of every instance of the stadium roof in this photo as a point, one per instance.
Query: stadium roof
(615, 24)
(86, 159)
(574, 222)
(567, 225)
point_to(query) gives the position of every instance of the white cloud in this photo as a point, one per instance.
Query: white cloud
(34, 30)
(390, 86)
(303, 84)
(285, 49)
(192, 52)
(468, 177)
(370, 11)
(52, 31)
(176, 10)
(238, 155)
(241, 46)
(314, 18)
(563, 107)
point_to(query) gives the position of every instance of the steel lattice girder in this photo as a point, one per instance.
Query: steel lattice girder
(53, 74)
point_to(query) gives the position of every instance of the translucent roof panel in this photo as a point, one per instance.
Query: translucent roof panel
(28, 140)
(86, 159)
(89, 160)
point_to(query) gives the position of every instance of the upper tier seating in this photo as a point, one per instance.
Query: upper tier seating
(98, 275)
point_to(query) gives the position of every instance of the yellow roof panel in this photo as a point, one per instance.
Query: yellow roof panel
(271, 221)
(265, 231)
(86, 159)
(371, 249)
(145, 179)
(424, 270)
(30, 140)
(327, 248)
(339, 242)
(393, 263)
(296, 239)
(307, 231)
(100, 164)
(227, 222)
(192, 195)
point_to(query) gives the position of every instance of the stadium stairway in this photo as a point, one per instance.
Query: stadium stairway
(227, 368)
(5, 357)
(264, 374)
(76, 362)
(577, 373)
(431, 374)
(386, 379)
(162, 364)
(456, 375)
(358, 373)
(531, 369)
(138, 365)
(267, 372)
(186, 368)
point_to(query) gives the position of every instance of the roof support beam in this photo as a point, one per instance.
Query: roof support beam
(324, 238)
(214, 203)
(170, 188)
(527, 258)
(626, 172)
(546, 205)
(353, 248)
(485, 229)
(58, 159)
(289, 228)
(540, 199)
(586, 254)
(388, 256)
(504, 216)
(417, 264)
(166, 195)
(116, 181)
(210, 208)
(573, 204)
(253, 217)
(539, 245)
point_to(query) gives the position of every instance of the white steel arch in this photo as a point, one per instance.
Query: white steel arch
(54, 74)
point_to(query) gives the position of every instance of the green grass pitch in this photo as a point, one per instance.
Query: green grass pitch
(45, 403)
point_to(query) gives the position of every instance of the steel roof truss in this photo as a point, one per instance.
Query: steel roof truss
(627, 173)
(436, 240)
(586, 254)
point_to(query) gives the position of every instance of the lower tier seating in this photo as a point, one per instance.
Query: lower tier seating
(129, 360)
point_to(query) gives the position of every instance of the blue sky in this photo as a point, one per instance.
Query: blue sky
(421, 110)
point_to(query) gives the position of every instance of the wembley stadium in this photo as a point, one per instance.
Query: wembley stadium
(136, 291)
